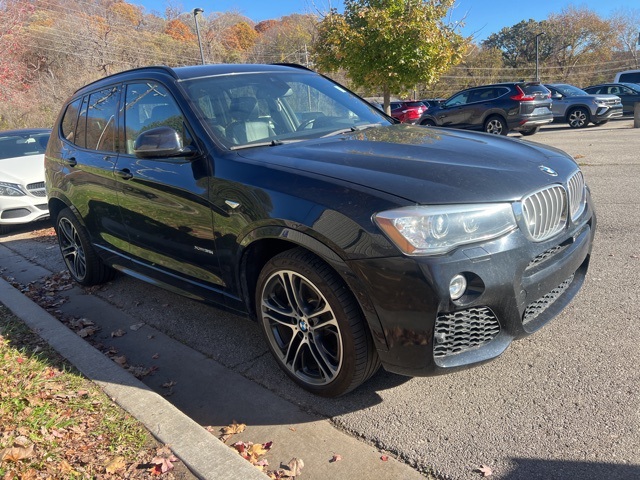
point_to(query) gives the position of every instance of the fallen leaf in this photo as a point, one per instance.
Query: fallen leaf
(86, 332)
(115, 464)
(485, 470)
(121, 360)
(295, 466)
(15, 454)
(155, 356)
(335, 458)
(137, 326)
(118, 333)
(231, 430)
(384, 458)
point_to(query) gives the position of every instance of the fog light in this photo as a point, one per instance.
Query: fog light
(457, 286)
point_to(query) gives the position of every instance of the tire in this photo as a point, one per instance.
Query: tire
(428, 123)
(496, 125)
(530, 131)
(78, 254)
(578, 118)
(313, 324)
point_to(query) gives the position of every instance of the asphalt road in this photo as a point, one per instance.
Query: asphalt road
(561, 404)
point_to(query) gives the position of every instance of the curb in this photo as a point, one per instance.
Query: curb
(206, 456)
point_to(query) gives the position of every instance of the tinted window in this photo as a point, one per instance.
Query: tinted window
(631, 77)
(101, 120)
(70, 120)
(533, 89)
(149, 105)
(459, 99)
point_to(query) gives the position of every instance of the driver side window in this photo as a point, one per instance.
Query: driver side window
(149, 105)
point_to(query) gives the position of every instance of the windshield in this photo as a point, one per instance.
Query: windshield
(22, 144)
(570, 90)
(271, 108)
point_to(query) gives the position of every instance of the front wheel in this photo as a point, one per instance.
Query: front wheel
(78, 254)
(428, 123)
(496, 125)
(578, 118)
(313, 324)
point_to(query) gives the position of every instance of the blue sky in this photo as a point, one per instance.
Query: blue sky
(483, 17)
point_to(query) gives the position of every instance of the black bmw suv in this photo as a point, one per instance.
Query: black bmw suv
(353, 241)
(520, 106)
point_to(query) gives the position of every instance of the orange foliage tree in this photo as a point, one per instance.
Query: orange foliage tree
(178, 30)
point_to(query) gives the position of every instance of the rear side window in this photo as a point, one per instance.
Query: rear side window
(70, 121)
(101, 120)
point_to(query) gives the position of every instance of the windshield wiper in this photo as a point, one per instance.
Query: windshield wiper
(270, 143)
(354, 128)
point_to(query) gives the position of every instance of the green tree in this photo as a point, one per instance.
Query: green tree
(517, 43)
(388, 45)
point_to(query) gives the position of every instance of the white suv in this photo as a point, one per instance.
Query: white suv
(22, 194)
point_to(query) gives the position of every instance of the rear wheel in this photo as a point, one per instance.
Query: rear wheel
(530, 131)
(428, 123)
(78, 254)
(313, 324)
(578, 118)
(496, 125)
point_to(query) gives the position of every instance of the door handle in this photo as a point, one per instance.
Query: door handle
(71, 161)
(124, 174)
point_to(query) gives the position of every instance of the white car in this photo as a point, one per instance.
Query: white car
(23, 198)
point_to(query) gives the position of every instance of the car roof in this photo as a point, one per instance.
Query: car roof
(24, 131)
(195, 71)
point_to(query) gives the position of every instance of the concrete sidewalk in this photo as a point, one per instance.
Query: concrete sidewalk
(204, 389)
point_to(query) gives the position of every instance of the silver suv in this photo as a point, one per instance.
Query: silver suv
(577, 107)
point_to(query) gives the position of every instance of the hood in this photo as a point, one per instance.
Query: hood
(22, 170)
(425, 164)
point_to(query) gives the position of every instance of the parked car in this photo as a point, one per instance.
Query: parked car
(629, 93)
(432, 102)
(407, 111)
(498, 109)
(577, 107)
(22, 192)
(353, 240)
(628, 76)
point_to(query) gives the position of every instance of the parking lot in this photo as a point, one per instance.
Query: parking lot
(561, 404)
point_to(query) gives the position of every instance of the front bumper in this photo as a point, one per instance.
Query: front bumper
(23, 209)
(607, 113)
(515, 287)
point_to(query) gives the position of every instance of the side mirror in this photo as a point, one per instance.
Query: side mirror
(556, 96)
(160, 142)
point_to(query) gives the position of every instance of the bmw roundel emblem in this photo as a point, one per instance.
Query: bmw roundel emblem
(548, 171)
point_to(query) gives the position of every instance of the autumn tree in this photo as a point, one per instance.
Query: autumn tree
(178, 30)
(13, 72)
(626, 23)
(388, 45)
(286, 40)
(579, 38)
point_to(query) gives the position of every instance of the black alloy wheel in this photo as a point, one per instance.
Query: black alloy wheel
(313, 325)
(78, 254)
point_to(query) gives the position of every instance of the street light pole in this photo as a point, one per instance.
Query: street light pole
(196, 11)
(538, 57)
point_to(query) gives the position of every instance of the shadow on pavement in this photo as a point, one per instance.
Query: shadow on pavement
(539, 469)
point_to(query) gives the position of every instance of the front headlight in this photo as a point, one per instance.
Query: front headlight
(11, 190)
(431, 230)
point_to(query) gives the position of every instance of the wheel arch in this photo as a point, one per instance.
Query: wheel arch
(264, 243)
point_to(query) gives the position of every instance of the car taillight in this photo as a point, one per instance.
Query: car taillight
(521, 96)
